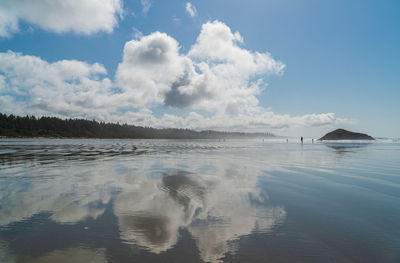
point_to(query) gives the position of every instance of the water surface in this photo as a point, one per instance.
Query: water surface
(198, 201)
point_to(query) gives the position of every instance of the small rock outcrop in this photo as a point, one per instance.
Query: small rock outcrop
(341, 134)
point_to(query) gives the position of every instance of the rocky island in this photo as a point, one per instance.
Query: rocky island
(341, 134)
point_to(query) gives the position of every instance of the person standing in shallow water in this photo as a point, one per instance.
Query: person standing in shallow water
(301, 139)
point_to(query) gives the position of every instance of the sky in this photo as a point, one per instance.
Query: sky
(295, 68)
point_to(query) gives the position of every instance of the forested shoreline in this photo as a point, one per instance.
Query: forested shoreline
(52, 127)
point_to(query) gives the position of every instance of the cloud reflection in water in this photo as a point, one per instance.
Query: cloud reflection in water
(153, 199)
(216, 210)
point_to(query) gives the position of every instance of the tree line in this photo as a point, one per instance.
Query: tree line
(30, 126)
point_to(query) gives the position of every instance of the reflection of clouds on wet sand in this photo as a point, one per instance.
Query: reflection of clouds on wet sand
(229, 213)
(151, 214)
(217, 202)
(148, 219)
(215, 238)
(69, 199)
(216, 210)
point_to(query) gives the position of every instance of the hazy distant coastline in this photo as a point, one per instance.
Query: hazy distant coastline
(31, 127)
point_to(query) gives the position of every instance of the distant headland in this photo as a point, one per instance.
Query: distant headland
(52, 127)
(341, 134)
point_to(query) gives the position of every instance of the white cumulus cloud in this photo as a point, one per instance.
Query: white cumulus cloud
(191, 9)
(62, 88)
(216, 75)
(149, 67)
(83, 17)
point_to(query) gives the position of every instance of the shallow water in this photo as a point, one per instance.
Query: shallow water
(198, 201)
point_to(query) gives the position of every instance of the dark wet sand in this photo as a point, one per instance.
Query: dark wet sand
(198, 201)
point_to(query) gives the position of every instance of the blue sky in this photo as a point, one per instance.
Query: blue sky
(294, 67)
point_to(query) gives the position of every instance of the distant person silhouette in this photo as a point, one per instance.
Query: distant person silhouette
(301, 139)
